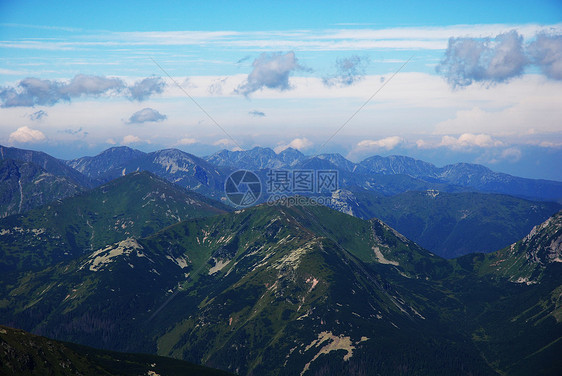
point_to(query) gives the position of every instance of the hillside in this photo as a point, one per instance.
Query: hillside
(137, 204)
(23, 353)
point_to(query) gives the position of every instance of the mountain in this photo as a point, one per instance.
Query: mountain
(385, 175)
(24, 185)
(274, 290)
(512, 298)
(110, 159)
(22, 353)
(467, 175)
(268, 290)
(47, 163)
(137, 204)
(256, 159)
(174, 165)
(445, 223)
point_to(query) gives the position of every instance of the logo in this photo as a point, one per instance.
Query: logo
(243, 188)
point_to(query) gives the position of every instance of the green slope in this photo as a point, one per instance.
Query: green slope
(264, 291)
(137, 204)
(22, 353)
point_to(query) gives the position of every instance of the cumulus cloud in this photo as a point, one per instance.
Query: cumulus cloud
(348, 71)
(469, 140)
(130, 139)
(486, 60)
(546, 52)
(146, 115)
(38, 115)
(271, 71)
(387, 143)
(143, 89)
(26, 135)
(256, 113)
(297, 143)
(33, 91)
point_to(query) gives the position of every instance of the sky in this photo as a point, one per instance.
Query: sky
(445, 82)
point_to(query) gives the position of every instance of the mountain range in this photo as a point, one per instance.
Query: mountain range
(275, 290)
(135, 263)
(367, 189)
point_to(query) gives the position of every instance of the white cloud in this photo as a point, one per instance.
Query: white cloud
(187, 141)
(130, 139)
(26, 135)
(387, 143)
(298, 143)
(469, 140)
(110, 141)
(227, 144)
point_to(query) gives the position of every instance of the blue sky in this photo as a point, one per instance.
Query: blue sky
(477, 81)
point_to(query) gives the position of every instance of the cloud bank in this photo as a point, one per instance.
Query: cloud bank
(33, 91)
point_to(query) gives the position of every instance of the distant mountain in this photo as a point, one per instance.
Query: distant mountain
(174, 165)
(385, 175)
(476, 177)
(256, 159)
(46, 162)
(111, 159)
(24, 185)
(22, 353)
(445, 223)
(137, 204)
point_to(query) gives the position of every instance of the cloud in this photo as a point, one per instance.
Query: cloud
(83, 84)
(130, 139)
(26, 135)
(271, 71)
(348, 71)
(187, 141)
(546, 52)
(298, 143)
(486, 60)
(256, 113)
(73, 131)
(33, 91)
(146, 115)
(110, 141)
(143, 89)
(469, 140)
(38, 115)
(247, 57)
(216, 87)
(387, 143)
(512, 154)
(227, 143)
